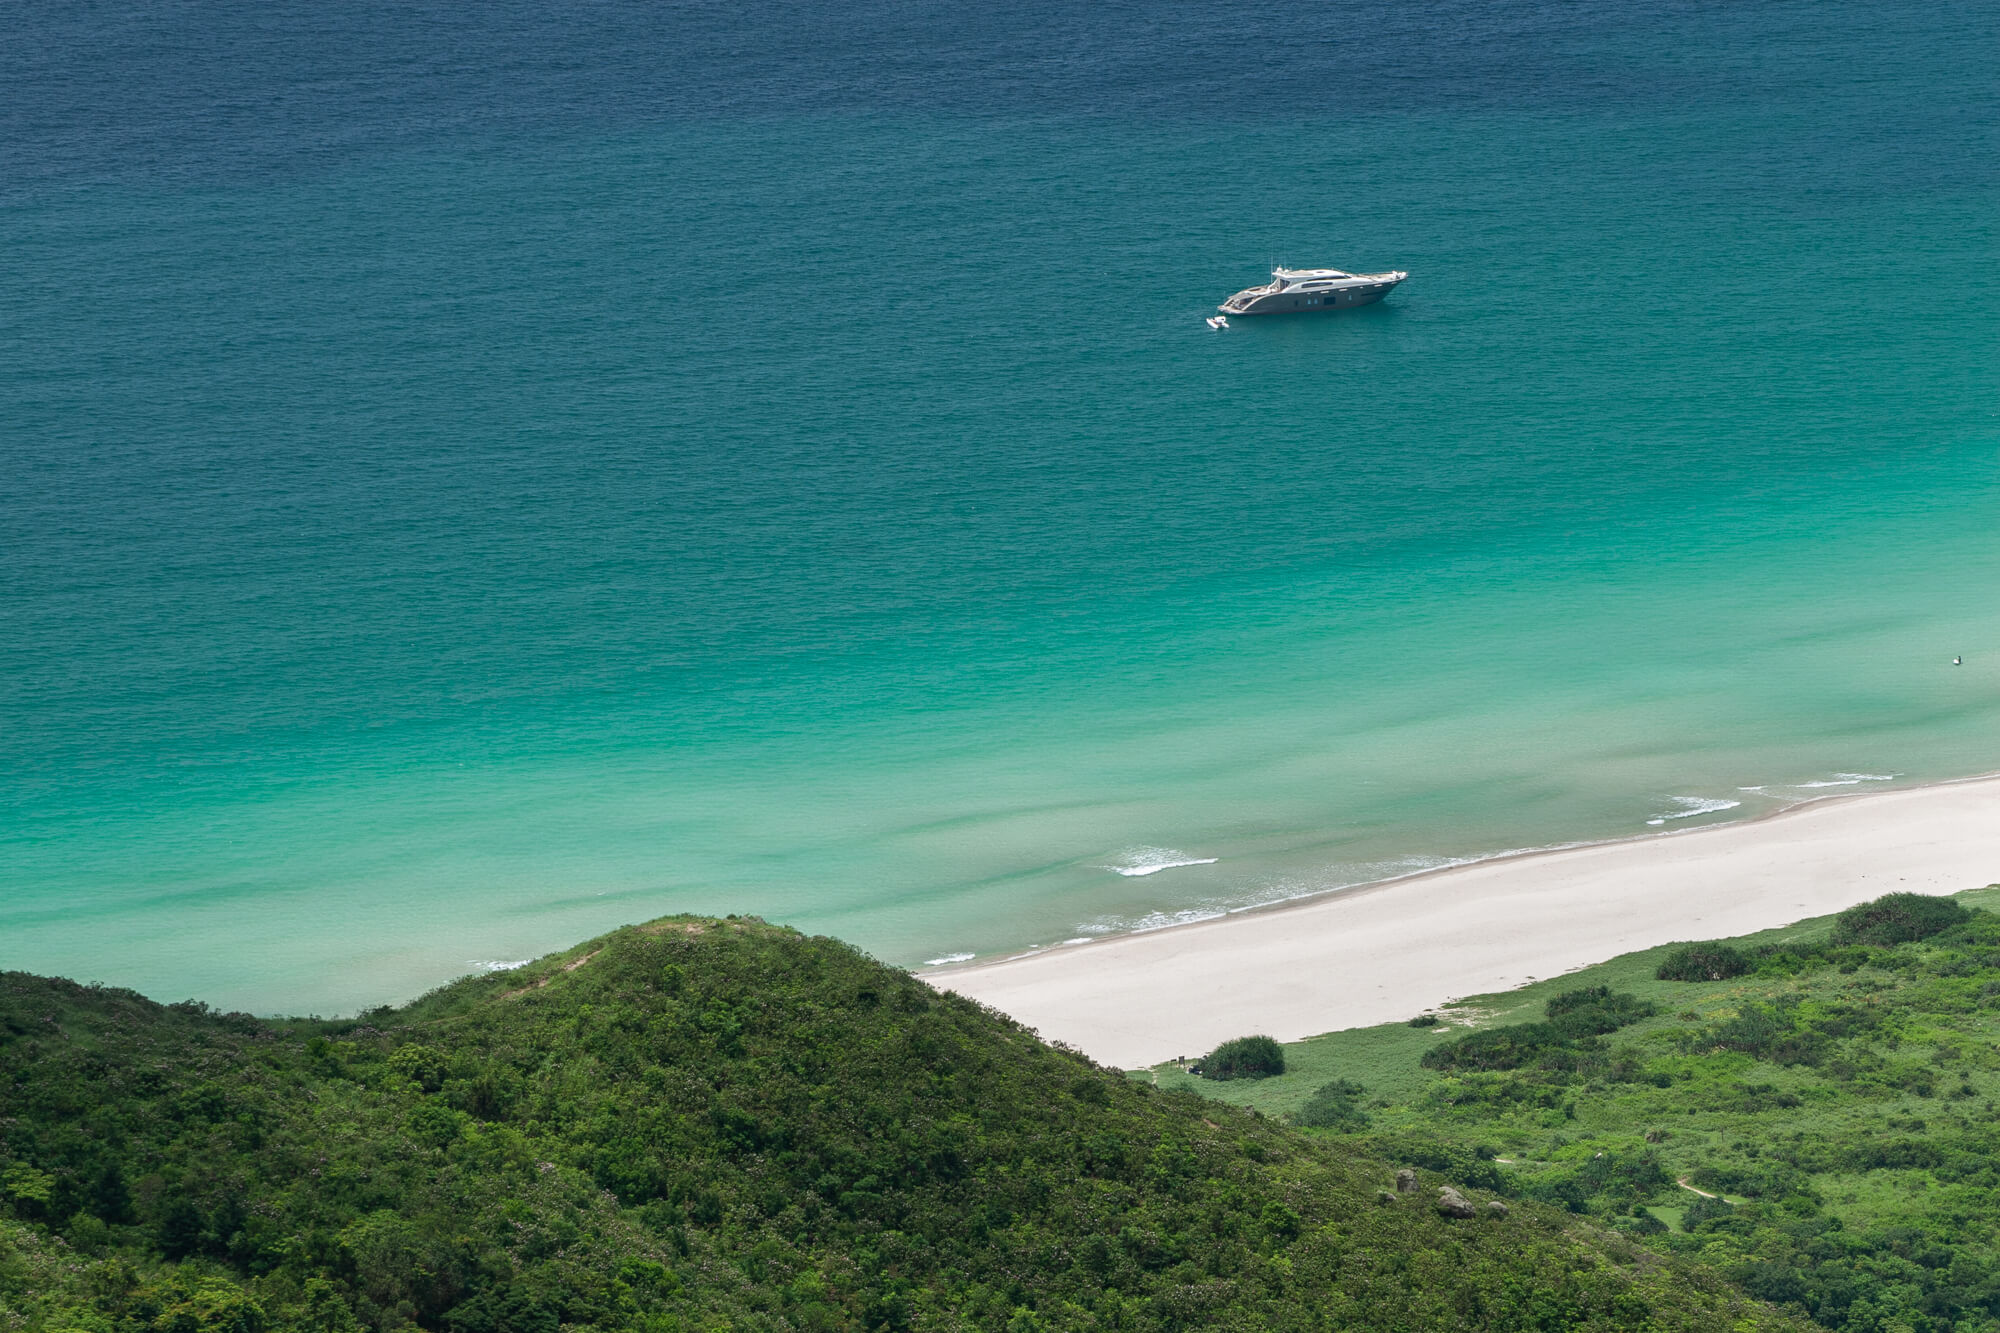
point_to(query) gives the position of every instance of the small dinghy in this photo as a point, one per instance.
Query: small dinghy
(1217, 322)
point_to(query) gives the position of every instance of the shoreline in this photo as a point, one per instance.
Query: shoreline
(1389, 949)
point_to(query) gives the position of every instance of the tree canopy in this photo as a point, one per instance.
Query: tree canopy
(698, 1125)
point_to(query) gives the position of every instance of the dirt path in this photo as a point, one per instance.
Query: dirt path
(571, 966)
(1683, 1183)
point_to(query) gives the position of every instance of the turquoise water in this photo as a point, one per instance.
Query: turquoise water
(466, 490)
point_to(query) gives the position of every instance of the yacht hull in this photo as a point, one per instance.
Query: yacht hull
(1259, 302)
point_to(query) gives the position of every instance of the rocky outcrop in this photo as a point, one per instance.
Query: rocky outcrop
(1453, 1204)
(1406, 1181)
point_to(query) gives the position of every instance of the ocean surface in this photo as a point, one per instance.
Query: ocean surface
(474, 476)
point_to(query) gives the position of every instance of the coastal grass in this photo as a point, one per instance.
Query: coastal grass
(1385, 1057)
(1842, 1098)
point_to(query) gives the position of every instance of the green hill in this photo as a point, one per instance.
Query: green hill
(1834, 1085)
(706, 1125)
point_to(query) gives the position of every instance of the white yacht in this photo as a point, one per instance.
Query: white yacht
(1303, 289)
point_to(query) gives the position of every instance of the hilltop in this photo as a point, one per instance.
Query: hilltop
(701, 1124)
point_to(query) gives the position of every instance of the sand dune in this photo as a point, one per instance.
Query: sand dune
(1381, 952)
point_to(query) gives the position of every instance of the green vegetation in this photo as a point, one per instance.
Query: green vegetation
(703, 1125)
(1704, 962)
(1337, 1105)
(1243, 1057)
(1567, 1043)
(1898, 918)
(1834, 1090)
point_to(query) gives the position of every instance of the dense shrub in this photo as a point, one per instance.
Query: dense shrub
(1771, 1032)
(704, 1124)
(1584, 997)
(1756, 1097)
(1516, 1046)
(1615, 1181)
(1335, 1105)
(1567, 1043)
(1895, 1154)
(1705, 1210)
(1898, 918)
(1594, 1011)
(1703, 962)
(1757, 1180)
(1718, 1101)
(1244, 1057)
(1641, 1223)
(1454, 1161)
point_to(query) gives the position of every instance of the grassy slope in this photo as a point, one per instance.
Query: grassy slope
(713, 1125)
(1880, 1234)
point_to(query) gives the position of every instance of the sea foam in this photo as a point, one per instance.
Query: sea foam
(1837, 780)
(1690, 806)
(1186, 916)
(949, 958)
(1134, 861)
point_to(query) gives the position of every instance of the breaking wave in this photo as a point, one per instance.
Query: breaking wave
(1690, 806)
(1135, 861)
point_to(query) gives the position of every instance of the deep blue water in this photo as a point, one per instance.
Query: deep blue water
(472, 478)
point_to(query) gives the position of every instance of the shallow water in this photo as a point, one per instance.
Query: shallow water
(467, 489)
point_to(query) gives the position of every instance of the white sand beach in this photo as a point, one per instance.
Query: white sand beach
(1387, 951)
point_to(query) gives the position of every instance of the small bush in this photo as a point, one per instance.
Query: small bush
(421, 1065)
(1244, 1057)
(1898, 918)
(1705, 1210)
(1586, 997)
(1703, 962)
(1769, 1032)
(1643, 1223)
(1593, 1011)
(1455, 1162)
(1334, 1105)
(1566, 1044)
(1517, 1046)
(1424, 1021)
